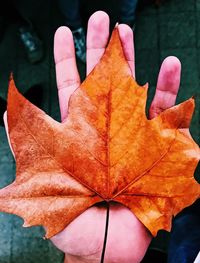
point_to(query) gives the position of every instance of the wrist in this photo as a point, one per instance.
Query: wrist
(76, 259)
(72, 259)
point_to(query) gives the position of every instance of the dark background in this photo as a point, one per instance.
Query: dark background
(173, 28)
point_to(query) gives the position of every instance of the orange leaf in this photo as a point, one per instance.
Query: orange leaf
(106, 150)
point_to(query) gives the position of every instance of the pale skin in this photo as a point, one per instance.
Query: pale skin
(128, 238)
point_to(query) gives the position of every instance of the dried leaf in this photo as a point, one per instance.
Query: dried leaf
(106, 150)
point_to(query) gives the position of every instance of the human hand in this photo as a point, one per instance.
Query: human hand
(128, 239)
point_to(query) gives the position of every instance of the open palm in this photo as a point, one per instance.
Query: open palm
(128, 239)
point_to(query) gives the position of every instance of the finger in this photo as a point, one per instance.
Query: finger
(97, 38)
(6, 128)
(66, 70)
(167, 86)
(126, 36)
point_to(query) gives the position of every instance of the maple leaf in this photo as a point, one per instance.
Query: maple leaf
(107, 149)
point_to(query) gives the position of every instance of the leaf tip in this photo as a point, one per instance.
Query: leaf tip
(11, 77)
(189, 107)
(115, 42)
(48, 234)
(146, 86)
(193, 100)
(116, 25)
(11, 86)
(26, 224)
(179, 116)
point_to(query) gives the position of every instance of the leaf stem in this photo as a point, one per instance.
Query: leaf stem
(106, 233)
